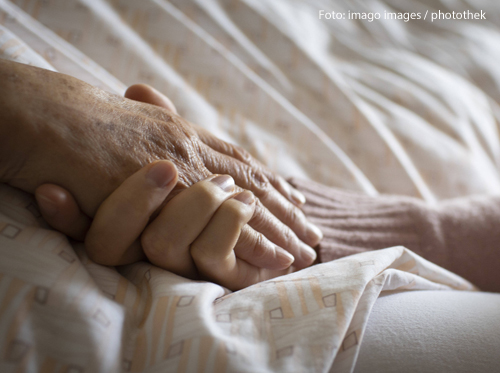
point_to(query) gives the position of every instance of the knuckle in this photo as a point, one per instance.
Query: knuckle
(204, 259)
(150, 242)
(259, 247)
(186, 148)
(262, 218)
(205, 195)
(241, 154)
(259, 183)
(161, 114)
(162, 252)
(274, 179)
(288, 236)
(236, 212)
(293, 217)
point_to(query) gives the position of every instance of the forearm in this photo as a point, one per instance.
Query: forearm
(461, 235)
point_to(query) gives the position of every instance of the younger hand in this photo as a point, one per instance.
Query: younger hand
(195, 234)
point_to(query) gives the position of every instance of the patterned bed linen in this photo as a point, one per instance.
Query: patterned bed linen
(63, 313)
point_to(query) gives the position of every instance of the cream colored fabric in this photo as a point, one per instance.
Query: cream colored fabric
(393, 107)
(390, 106)
(432, 332)
(61, 312)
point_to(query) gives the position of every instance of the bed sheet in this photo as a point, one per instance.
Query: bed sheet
(387, 107)
(63, 313)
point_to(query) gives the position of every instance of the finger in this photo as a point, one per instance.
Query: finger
(256, 249)
(213, 253)
(61, 212)
(237, 152)
(252, 246)
(251, 179)
(271, 227)
(149, 95)
(167, 239)
(276, 218)
(119, 221)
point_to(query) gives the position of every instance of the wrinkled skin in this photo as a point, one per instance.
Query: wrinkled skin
(99, 137)
(88, 141)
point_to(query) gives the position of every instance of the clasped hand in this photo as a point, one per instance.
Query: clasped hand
(88, 142)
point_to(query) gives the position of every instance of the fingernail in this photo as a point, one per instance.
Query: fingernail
(225, 182)
(48, 206)
(161, 174)
(246, 197)
(314, 233)
(284, 256)
(308, 254)
(297, 197)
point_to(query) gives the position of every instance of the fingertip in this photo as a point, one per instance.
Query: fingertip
(47, 206)
(61, 211)
(225, 182)
(313, 233)
(146, 93)
(307, 256)
(246, 197)
(284, 258)
(297, 197)
(162, 174)
(122, 217)
(51, 199)
(51, 191)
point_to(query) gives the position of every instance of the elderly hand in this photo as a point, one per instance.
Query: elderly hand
(65, 132)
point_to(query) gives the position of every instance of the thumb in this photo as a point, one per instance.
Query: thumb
(149, 95)
(61, 212)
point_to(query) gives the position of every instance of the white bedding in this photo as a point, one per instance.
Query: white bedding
(383, 106)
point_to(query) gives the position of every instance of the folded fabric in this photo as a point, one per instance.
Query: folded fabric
(60, 312)
(461, 235)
